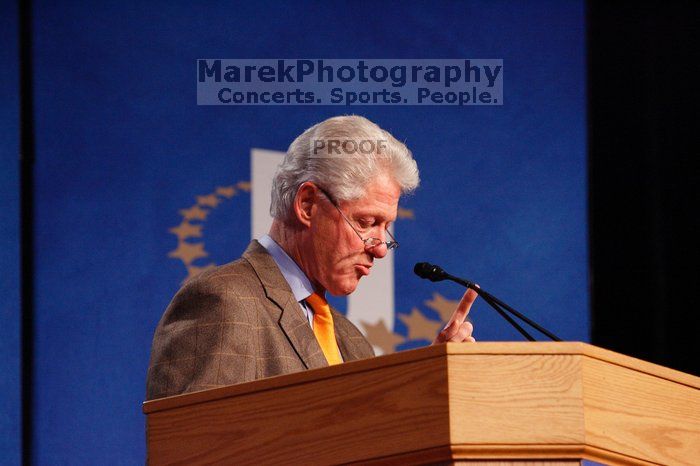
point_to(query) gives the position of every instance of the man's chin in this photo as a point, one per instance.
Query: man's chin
(344, 289)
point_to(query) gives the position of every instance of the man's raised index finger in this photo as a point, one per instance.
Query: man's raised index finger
(463, 307)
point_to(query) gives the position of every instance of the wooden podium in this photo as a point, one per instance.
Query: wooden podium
(483, 403)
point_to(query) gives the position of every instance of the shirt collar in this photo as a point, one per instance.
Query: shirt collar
(295, 277)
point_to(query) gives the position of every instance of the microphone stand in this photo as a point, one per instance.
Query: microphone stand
(503, 314)
(435, 274)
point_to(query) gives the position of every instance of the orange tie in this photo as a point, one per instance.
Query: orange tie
(323, 328)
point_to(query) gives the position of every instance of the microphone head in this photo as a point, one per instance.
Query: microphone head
(429, 271)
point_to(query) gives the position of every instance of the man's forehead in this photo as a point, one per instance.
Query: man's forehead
(380, 199)
(384, 189)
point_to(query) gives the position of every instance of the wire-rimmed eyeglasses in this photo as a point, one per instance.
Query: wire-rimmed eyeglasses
(369, 242)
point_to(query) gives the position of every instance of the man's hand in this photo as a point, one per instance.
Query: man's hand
(457, 329)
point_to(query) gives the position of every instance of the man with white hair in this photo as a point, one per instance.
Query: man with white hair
(333, 199)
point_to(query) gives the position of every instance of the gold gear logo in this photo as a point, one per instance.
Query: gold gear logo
(191, 246)
(420, 327)
(189, 251)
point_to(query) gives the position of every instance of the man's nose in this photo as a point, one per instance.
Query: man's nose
(378, 251)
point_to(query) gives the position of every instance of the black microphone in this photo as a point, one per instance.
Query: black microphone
(435, 273)
(429, 272)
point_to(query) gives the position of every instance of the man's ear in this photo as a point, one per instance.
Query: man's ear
(305, 203)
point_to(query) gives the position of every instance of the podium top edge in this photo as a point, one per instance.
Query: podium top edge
(445, 351)
(575, 348)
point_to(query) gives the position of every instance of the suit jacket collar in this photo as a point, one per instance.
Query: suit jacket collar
(343, 338)
(292, 320)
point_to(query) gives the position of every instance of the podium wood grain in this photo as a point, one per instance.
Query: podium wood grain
(485, 403)
(288, 419)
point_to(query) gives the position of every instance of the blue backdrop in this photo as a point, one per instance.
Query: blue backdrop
(122, 149)
(10, 423)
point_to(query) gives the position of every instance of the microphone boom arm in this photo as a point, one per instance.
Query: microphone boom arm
(436, 274)
(500, 306)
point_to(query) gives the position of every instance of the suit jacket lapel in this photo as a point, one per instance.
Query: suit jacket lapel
(292, 320)
(347, 349)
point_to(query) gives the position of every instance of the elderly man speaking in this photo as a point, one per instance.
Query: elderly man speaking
(265, 314)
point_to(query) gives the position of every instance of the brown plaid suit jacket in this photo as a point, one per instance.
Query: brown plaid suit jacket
(236, 323)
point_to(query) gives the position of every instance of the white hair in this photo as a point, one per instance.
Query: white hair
(342, 155)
